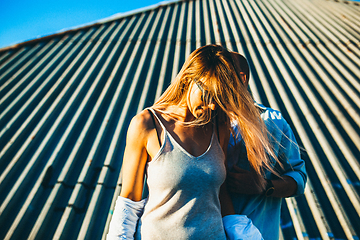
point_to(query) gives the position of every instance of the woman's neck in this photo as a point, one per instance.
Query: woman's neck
(180, 113)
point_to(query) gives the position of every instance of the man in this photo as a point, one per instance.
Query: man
(262, 204)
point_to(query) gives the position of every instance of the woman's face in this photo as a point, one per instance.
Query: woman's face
(198, 94)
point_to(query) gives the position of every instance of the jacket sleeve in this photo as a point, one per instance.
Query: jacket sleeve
(289, 155)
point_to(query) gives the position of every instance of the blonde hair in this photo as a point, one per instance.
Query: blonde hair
(214, 65)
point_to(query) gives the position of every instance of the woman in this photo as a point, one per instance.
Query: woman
(181, 142)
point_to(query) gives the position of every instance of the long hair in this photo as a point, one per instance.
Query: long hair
(214, 66)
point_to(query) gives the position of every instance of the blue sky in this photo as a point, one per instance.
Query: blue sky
(22, 20)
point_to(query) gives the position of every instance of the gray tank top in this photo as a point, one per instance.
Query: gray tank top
(183, 201)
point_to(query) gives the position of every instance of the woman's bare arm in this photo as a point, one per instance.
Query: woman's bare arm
(135, 157)
(225, 200)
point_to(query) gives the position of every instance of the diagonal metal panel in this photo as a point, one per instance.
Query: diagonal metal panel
(66, 101)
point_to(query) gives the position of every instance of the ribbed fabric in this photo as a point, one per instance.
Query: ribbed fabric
(183, 201)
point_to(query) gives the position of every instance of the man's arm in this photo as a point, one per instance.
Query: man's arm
(293, 174)
(285, 187)
(294, 166)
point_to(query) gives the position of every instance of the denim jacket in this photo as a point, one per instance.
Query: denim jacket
(265, 211)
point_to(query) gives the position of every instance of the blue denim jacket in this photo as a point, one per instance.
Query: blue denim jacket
(265, 211)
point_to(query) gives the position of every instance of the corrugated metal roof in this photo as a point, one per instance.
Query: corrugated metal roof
(67, 99)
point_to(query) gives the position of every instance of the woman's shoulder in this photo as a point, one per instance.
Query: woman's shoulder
(141, 123)
(223, 123)
(223, 129)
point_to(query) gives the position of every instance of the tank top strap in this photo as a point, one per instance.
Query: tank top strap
(157, 118)
(217, 129)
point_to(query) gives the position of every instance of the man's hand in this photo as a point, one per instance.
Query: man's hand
(244, 182)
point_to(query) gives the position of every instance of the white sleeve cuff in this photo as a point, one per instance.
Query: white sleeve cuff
(238, 227)
(125, 217)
